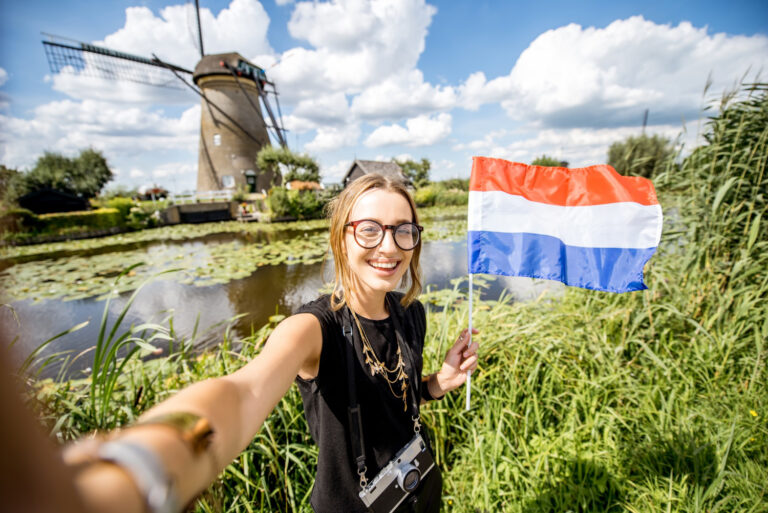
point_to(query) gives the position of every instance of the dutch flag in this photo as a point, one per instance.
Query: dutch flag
(588, 227)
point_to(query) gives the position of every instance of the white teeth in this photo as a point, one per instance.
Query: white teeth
(382, 265)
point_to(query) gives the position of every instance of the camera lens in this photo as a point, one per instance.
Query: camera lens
(408, 477)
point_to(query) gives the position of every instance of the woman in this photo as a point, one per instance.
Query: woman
(376, 243)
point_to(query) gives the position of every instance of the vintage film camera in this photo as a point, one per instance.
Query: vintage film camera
(399, 478)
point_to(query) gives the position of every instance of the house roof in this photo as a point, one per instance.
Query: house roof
(390, 169)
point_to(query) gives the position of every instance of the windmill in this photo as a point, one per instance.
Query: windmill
(233, 127)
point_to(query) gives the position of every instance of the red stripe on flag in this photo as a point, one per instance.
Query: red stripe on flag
(585, 186)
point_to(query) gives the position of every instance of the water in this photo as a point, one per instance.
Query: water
(268, 290)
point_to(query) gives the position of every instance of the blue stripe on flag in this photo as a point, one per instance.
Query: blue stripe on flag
(542, 256)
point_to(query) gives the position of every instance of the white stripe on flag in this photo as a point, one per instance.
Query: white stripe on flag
(614, 225)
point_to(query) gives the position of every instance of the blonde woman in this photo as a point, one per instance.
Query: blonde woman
(356, 356)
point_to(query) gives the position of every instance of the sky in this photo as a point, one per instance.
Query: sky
(383, 79)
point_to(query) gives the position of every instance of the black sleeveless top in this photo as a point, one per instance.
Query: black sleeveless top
(386, 426)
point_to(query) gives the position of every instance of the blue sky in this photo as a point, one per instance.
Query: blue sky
(384, 78)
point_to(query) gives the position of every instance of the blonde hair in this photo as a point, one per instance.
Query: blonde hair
(338, 214)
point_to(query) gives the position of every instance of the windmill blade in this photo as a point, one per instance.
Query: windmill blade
(88, 60)
(260, 78)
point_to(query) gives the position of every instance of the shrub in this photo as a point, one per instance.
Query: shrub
(18, 220)
(546, 160)
(641, 156)
(298, 204)
(68, 222)
(438, 194)
(123, 205)
(426, 196)
(448, 197)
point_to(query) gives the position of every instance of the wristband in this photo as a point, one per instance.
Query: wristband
(425, 393)
(153, 482)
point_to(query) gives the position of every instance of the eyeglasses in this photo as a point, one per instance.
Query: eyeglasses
(370, 233)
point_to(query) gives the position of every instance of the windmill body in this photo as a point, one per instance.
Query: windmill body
(229, 143)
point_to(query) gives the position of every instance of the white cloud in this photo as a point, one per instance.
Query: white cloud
(335, 172)
(403, 96)
(137, 173)
(283, 2)
(579, 146)
(3, 77)
(172, 36)
(333, 138)
(356, 44)
(68, 126)
(103, 89)
(241, 27)
(488, 141)
(326, 110)
(418, 131)
(574, 76)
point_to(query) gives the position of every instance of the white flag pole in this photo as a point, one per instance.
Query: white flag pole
(469, 342)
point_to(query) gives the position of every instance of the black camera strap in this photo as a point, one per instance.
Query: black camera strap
(353, 410)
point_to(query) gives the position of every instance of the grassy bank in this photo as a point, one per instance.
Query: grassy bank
(652, 401)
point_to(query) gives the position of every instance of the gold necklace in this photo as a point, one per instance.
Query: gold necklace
(377, 367)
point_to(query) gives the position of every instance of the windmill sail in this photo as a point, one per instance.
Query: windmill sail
(88, 60)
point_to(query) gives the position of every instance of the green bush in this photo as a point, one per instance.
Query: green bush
(69, 222)
(298, 204)
(142, 216)
(440, 195)
(123, 205)
(426, 196)
(448, 197)
(642, 155)
(18, 220)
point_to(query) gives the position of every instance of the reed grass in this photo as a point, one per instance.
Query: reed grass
(592, 402)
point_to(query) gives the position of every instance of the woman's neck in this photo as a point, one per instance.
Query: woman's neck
(371, 305)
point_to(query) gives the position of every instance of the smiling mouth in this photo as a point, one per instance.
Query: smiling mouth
(384, 266)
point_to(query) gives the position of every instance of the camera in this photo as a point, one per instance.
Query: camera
(402, 475)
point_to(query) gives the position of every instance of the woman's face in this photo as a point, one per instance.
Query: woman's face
(378, 269)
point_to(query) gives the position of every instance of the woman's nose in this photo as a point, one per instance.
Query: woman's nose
(388, 243)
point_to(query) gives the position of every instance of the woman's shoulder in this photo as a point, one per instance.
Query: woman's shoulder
(320, 308)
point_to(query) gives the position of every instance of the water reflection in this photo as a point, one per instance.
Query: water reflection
(281, 288)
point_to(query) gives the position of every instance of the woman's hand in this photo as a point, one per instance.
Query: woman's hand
(458, 360)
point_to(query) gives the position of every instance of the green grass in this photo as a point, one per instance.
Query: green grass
(593, 402)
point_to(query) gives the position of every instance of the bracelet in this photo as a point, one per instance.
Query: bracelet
(155, 485)
(147, 472)
(195, 430)
(425, 393)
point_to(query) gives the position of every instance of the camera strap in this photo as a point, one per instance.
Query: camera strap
(353, 410)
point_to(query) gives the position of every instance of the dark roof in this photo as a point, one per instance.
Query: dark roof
(212, 65)
(389, 169)
(47, 200)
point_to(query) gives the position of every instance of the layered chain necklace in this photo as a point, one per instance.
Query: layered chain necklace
(377, 367)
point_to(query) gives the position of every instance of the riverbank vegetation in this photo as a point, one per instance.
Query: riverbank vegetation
(593, 402)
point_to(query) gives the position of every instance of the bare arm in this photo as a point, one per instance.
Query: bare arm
(235, 405)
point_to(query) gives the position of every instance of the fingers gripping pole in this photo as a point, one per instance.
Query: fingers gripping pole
(469, 342)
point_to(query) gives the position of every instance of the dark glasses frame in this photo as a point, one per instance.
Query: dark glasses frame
(384, 228)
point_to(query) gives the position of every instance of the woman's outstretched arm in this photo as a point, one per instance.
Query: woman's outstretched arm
(235, 407)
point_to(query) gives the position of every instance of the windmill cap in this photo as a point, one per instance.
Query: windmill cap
(216, 64)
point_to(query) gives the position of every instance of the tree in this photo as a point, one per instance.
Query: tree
(291, 166)
(416, 172)
(12, 187)
(84, 175)
(546, 160)
(642, 155)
